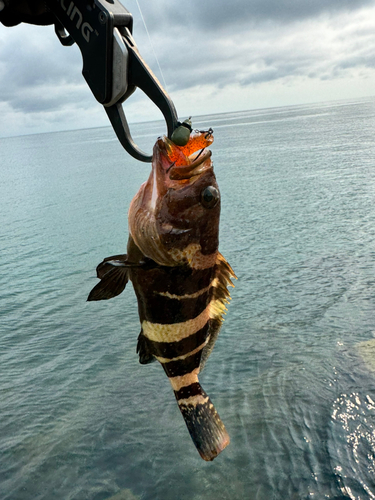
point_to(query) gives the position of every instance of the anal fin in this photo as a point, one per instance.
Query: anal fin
(145, 354)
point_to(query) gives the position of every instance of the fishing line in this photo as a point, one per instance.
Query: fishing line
(153, 50)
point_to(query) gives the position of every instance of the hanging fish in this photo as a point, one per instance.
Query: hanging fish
(179, 277)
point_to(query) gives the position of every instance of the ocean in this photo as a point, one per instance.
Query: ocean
(292, 374)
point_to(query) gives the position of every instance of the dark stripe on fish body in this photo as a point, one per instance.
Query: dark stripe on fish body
(165, 310)
(194, 389)
(182, 366)
(172, 350)
(179, 280)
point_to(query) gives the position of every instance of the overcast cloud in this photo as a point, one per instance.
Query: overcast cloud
(215, 56)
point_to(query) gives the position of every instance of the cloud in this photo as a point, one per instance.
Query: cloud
(214, 55)
(214, 15)
(36, 74)
(318, 46)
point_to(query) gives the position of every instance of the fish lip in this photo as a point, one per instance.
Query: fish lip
(167, 228)
(188, 171)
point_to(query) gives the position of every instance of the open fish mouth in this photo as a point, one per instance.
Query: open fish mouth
(183, 163)
(197, 166)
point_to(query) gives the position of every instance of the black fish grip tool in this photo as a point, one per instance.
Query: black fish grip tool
(112, 64)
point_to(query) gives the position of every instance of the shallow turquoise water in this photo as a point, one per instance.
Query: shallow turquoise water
(80, 418)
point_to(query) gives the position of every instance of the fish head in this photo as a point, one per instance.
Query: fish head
(174, 217)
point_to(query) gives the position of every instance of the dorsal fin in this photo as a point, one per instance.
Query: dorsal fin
(224, 274)
(213, 333)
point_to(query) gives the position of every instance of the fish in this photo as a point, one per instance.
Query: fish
(179, 277)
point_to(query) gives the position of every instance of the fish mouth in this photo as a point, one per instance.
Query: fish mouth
(197, 166)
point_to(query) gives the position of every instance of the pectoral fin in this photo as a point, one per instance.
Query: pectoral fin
(112, 283)
(111, 262)
(113, 273)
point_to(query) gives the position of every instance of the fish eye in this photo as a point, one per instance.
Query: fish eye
(209, 197)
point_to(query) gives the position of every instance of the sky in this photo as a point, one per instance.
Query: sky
(215, 56)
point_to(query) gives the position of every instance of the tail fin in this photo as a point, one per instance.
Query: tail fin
(202, 420)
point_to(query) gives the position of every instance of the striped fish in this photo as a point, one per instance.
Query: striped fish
(179, 277)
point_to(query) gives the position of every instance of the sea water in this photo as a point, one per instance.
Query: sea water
(293, 371)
